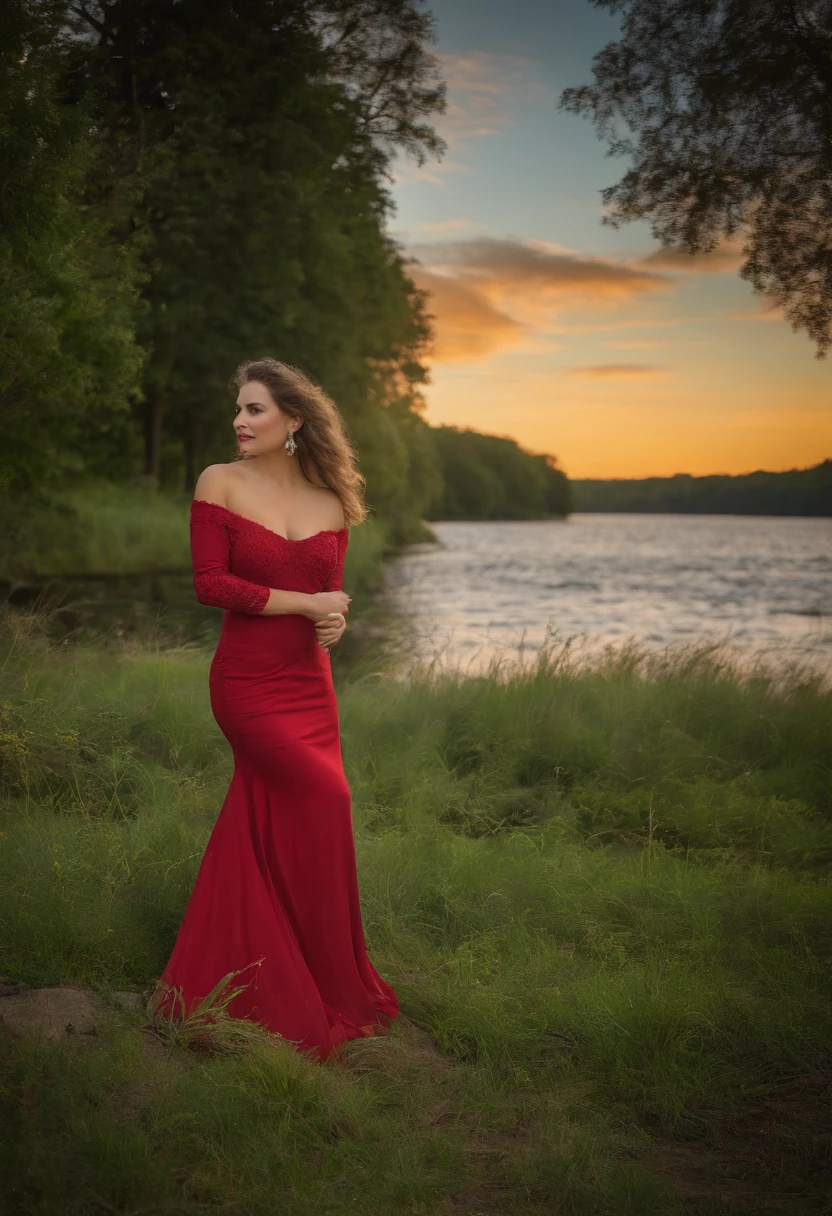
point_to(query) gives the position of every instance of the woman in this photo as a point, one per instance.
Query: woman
(276, 897)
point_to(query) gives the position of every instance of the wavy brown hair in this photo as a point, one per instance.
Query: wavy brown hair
(325, 452)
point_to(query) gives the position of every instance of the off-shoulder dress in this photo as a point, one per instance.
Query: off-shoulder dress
(276, 897)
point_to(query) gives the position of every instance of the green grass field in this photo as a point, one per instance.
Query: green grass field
(601, 892)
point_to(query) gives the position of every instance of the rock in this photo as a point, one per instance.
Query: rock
(23, 596)
(52, 1013)
(133, 1002)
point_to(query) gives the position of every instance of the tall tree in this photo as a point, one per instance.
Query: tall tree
(726, 108)
(259, 133)
(68, 358)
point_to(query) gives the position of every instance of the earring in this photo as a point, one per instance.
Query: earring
(290, 444)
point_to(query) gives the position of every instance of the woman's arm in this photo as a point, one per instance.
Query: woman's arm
(211, 555)
(316, 607)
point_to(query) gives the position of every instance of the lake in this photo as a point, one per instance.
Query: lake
(762, 583)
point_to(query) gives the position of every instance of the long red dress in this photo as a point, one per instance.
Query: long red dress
(277, 894)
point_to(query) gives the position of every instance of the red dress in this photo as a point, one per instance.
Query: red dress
(276, 896)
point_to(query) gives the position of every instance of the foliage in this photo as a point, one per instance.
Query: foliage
(377, 51)
(488, 477)
(68, 358)
(727, 109)
(797, 492)
(262, 163)
(185, 187)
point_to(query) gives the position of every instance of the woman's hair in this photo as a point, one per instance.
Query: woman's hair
(324, 450)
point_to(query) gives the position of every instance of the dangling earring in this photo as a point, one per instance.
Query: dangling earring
(290, 444)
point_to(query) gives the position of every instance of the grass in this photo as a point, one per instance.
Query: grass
(600, 891)
(95, 529)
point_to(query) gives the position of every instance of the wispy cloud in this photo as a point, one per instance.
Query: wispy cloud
(517, 288)
(505, 265)
(468, 325)
(619, 371)
(451, 225)
(484, 91)
(726, 258)
(765, 309)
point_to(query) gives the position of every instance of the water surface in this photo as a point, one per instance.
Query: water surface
(763, 583)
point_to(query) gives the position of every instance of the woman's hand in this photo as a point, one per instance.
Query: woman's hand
(330, 629)
(327, 603)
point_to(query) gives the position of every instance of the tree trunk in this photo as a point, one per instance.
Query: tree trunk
(153, 437)
(189, 451)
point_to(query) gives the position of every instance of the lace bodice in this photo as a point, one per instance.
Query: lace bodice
(237, 561)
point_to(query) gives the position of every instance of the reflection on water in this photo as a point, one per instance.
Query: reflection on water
(761, 582)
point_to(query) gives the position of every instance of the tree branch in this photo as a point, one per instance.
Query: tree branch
(81, 12)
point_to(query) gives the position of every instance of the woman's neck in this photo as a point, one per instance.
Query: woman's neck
(278, 468)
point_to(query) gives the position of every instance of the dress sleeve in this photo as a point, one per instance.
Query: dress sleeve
(337, 577)
(211, 555)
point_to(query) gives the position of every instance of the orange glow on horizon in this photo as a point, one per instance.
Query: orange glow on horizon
(616, 366)
(622, 439)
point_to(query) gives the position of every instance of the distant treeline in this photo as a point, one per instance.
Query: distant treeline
(796, 492)
(487, 477)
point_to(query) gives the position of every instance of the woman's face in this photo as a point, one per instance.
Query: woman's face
(260, 424)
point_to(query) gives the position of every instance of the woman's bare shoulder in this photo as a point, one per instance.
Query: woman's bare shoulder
(214, 484)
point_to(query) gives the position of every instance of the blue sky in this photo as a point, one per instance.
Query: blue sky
(568, 335)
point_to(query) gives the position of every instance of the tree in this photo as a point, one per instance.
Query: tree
(491, 477)
(68, 359)
(377, 49)
(729, 109)
(259, 133)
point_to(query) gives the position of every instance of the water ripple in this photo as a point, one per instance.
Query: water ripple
(763, 583)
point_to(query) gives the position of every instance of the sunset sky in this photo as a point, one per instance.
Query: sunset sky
(571, 337)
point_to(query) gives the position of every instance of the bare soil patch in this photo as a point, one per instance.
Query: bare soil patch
(52, 1013)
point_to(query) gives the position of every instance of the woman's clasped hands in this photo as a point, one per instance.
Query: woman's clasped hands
(330, 629)
(328, 611)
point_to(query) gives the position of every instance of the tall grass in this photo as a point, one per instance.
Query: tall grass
(602, 889)
(96, 529)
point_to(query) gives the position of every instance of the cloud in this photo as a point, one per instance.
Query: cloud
(619, 371)
(766, 309)
(632, 344)
(468, 326)
(506, 265)
(725, 259)
(489, 294)
(452, 225)
(484, 91)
